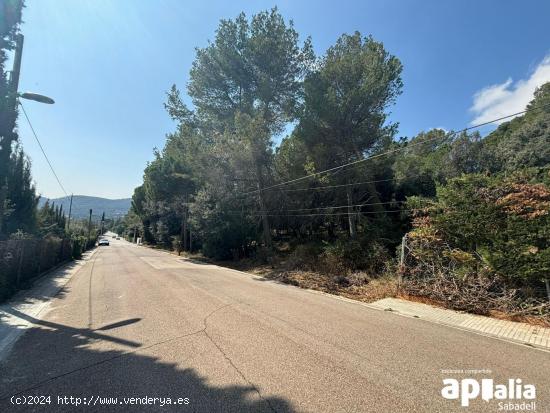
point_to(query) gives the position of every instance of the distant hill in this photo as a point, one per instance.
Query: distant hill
(113, 208)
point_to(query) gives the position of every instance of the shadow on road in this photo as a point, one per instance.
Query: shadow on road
(57, 360)
(198, 261)
(85, 332)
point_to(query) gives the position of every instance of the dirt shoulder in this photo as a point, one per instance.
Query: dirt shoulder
(355, 286)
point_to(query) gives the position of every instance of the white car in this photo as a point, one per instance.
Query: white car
(103, 241)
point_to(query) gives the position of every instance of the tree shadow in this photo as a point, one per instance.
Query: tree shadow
(58, 360)
(197, 260)
(84, 332)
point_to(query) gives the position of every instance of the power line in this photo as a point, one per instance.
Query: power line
(329, 207)
(333, 213)
(43, 151)
(341, 185)
(321, 188)
(387, 152)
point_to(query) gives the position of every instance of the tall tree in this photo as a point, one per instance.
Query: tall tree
(344, 115)
(21, 200)
(10, 18)
(524, 141)
(249, 78)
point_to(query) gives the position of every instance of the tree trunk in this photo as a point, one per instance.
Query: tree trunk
(182, 236)
(265, 221)
(351, 215)
(183, 232)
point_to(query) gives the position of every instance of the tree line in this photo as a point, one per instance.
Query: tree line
(32, 239)
(220, 183)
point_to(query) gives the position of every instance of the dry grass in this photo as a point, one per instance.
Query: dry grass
(355, 286)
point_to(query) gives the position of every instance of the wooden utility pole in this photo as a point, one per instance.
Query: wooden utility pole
(102, 223)
(265, 221)
(185, 224)
(89, 225)
(351, 214)
(183, 231)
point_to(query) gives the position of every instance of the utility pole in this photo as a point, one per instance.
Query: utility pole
(89, 225)
(401, 268)
(184, 229)
(265, 220)
(14, 78)
(352, 218)
(70, 210)
(8, 118)
(102, 222)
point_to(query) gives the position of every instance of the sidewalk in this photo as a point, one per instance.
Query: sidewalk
(34, 301)
(522, 333)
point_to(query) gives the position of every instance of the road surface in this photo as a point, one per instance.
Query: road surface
(139, 323)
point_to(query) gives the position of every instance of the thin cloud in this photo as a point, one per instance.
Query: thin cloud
(509, 97)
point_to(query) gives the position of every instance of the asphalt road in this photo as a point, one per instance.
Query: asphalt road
(134, 322)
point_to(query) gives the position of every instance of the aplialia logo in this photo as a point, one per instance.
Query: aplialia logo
(519, 396)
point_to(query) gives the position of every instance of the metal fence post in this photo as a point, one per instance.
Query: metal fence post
(18, 280)
(401, 269)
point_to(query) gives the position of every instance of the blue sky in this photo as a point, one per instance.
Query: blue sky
(109, 63)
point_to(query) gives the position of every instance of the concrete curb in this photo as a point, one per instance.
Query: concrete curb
(380, 305)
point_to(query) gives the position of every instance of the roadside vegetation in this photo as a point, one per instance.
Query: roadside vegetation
(470, 213)
(32, 239)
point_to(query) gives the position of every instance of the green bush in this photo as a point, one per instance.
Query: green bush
(221, 233)
(354, 255)
(78, 246)
(305, 257)
(484, 244)
(21, 260)
(505, 221)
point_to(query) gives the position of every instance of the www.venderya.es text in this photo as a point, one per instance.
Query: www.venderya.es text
(98, 400)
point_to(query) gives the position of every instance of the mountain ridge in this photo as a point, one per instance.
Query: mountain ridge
(113, 208)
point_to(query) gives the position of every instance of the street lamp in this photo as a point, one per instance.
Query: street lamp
(36, 97)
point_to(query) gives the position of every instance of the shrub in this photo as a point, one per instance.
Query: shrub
(505, 221)
(221, 234)
(305, 257)
(23, 259)
(79, 244)
(352, 255)
(484, 245)
(177, 244)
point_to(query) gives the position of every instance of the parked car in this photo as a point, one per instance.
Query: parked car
(103, 241)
